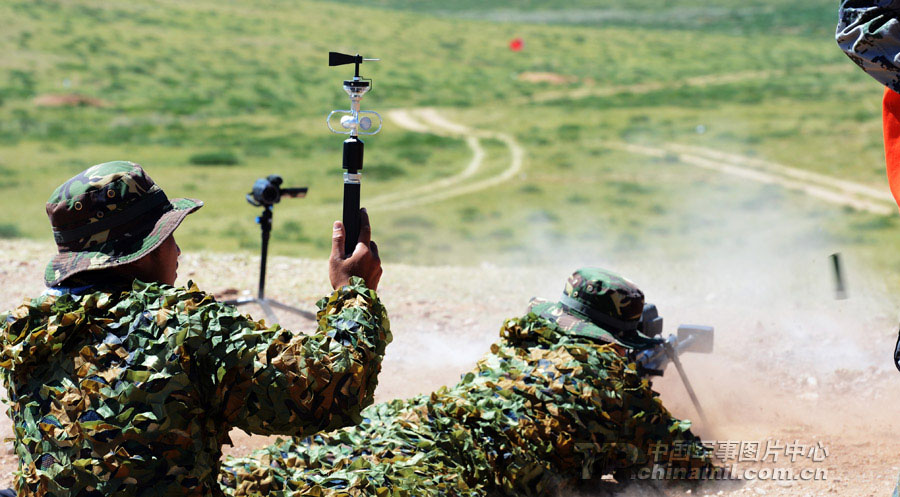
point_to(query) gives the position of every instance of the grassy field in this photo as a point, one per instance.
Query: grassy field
(248, 81)
(738, 16)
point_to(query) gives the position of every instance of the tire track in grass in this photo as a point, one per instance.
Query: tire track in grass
(824, 187)
(845, 186)
(407, 118)
(693, 81)
(832, 190)
(428, 120)
(827, 188)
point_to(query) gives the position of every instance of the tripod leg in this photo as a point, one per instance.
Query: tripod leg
(670, 351)
(273, 319)
(239, 302)
(285, 307)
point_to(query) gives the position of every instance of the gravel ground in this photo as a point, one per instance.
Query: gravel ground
(791, 362)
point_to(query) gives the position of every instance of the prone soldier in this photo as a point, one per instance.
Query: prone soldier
(554, 403)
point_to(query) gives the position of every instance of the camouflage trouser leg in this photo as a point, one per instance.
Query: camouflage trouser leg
(394, 451)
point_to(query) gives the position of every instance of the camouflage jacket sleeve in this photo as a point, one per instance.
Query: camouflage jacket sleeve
(868, 31)
(271, 381)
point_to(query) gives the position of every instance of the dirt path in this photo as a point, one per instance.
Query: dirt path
(436, 125)
(427, 120)
(830, 189)
(849, 187)
(827, 188)
(697, 81)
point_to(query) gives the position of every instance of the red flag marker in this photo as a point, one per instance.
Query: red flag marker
(517, 44)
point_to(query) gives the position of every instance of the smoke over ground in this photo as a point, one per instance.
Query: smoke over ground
(792, 362)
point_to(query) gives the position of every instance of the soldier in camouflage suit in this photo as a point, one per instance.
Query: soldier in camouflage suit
(553, 403)
(121, 384)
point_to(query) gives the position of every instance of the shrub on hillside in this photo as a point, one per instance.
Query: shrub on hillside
(216, 158)
(9, 231)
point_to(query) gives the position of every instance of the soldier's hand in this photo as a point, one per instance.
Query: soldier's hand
(363, 262)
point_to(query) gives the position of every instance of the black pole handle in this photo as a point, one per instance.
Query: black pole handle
(352, 164)
(351, 217)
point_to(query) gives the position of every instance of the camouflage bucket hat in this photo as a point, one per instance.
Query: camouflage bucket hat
(108, 215)
(598, 304)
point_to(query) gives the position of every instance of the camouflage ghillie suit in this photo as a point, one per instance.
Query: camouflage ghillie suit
(134, 392)
(868, 31)
(551, 404)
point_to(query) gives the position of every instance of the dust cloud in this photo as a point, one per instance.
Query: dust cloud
(792, 361)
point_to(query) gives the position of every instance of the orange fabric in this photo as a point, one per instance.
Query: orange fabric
(891, 123)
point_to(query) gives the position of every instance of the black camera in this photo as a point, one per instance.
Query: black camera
(268, 191)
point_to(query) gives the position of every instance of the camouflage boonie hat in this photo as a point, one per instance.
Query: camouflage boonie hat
(598, 304)
(108, 215)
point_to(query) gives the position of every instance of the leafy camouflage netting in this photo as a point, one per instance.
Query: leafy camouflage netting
(542, 409)
(134, 393)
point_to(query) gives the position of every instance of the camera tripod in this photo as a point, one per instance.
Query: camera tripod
(265, 224)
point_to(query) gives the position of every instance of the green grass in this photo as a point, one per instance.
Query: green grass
(736, 16)
(179, 80)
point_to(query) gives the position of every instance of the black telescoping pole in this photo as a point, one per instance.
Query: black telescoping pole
(353, 163)
(265, 221)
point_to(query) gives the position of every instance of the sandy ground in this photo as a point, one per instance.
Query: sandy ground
(792, 366)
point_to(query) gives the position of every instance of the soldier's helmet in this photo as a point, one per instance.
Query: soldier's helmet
(600, 305)
(108, 215)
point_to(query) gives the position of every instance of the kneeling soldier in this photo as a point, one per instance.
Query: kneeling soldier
(121, 384)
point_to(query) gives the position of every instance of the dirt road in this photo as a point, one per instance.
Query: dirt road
(833, 190)
(588, 89)
(427, 120)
